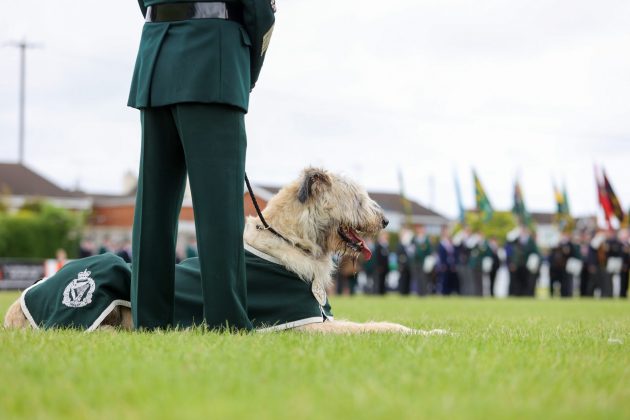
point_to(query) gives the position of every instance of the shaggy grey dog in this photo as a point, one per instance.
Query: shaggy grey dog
(318, 215)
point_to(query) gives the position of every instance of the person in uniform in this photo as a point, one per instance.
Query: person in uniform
(558, 258)
(368, 267)
(464, 241)
(404, 255)
(381, 262)
(448, 280)
(596, 263)
(191, 248)
(423, 249)
(196, 66)
(124, 251)
(614, 262)
(583, 241)
(624, 237)
(493, 244)
(346, 275)
(106, 245)
(522, 277)
(479, 254)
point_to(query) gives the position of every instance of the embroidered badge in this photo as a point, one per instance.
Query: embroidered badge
(79, 292)
(266, 40)
(273, 5)
(319, 292)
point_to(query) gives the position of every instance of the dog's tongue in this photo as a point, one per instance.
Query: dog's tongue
(365, 250)
(367, 254)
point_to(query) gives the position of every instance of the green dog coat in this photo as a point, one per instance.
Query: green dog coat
(85, 291)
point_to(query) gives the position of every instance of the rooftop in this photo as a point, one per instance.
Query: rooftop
(18, 179)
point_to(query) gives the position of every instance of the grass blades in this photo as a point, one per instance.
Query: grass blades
(504, 359)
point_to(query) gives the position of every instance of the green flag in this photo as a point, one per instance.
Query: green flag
(563, 214)
(519, 209)
(483, 202)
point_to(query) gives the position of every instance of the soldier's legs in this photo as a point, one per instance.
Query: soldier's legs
(456, 283)
(478, 282)
(464, 284)
(339, 283)
(381, 277)
(521, 281)
(404, 285)
(214, 143)
(554, 279)
(493, 277)
(584, 280)
(161, 186)
(593, 282)
(352, 284)
(566, 285)
(423, 288)
(512, 285)
(607, 285)
(623, 290)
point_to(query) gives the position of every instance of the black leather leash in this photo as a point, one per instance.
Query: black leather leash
(264, 222)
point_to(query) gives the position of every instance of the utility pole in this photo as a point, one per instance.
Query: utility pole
(22, 45)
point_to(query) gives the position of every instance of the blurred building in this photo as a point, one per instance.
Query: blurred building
(548, 232)
(110, 215)
(19, 185)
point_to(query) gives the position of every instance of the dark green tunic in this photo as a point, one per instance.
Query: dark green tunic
(278, 299)
(201, 60)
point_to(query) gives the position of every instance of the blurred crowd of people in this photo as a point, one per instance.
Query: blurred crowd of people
(467, 263)
(463, 263)
(122, 248)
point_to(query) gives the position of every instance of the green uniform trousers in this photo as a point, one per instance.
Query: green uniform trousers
(208, 142)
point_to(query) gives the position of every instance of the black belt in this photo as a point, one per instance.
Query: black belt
(171, 12)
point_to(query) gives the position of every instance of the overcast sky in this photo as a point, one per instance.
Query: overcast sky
(538, 89)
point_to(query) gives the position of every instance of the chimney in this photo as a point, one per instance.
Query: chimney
(130, 182)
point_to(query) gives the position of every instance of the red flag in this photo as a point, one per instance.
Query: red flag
(615, 206)
(604, 200)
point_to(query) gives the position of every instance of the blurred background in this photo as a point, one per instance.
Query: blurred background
(496, 121)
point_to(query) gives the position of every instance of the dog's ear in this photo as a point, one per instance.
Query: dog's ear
(313, 182)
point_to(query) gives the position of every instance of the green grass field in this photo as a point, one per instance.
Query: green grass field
(505, 359)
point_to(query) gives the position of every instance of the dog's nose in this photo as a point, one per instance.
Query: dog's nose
(385, 222)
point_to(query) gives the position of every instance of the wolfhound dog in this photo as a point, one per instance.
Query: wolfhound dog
(314, 217)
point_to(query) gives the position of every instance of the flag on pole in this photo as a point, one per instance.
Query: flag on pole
(563, 214)
(615, 206)
(566, 199)
(483, 202)
(603, 199)
(406, 204)
(460, 204)
(519, 209)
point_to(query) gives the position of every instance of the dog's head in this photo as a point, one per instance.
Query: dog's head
(325, 213)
